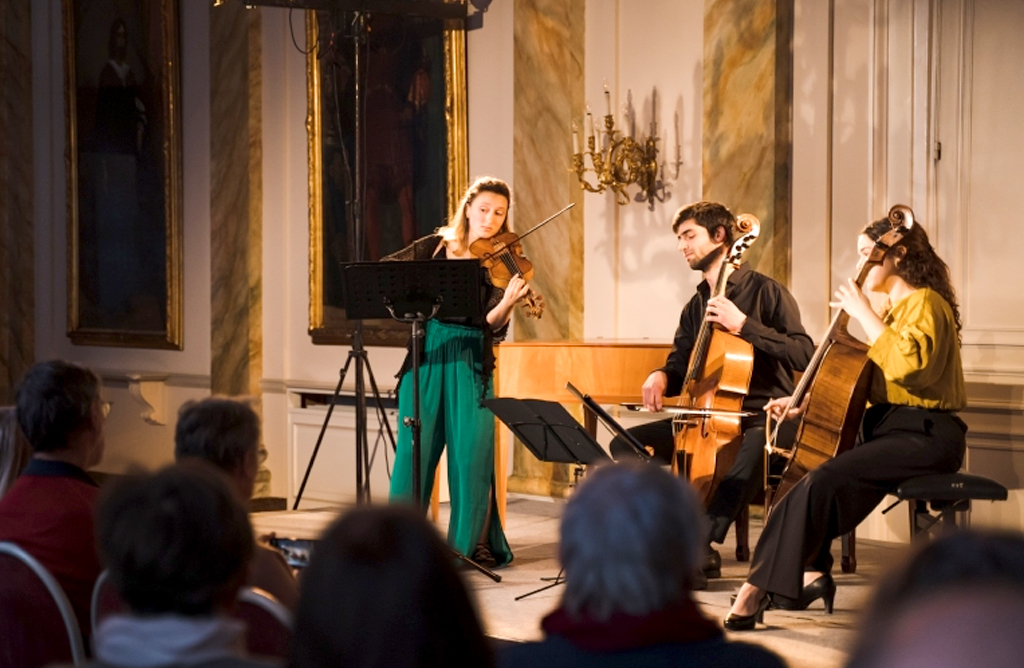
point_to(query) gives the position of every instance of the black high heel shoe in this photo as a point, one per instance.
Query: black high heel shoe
(748, 622)
(823, 587)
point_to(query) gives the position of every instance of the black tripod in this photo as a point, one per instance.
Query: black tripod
(362, 362)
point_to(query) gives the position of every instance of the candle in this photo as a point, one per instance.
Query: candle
(575, 139)
(632, 115)
(607, 99)
(676, 128)
(590, 123)
(654, 112)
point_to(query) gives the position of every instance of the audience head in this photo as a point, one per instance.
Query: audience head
(176, 541)
(955, 627)
(957, 595)
(224, 432)
(381, 590)
(630, 541)
(14, 449)
(60, 410)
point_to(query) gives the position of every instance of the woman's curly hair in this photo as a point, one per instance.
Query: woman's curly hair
(919, 264)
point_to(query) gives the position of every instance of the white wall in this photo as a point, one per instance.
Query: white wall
(635, 282)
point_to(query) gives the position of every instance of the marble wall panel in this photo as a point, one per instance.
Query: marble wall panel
(747, 119)
(548, 94)
(17, 303)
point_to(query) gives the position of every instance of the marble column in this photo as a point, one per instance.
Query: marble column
(548, 94)
(17, 298)
(748, 101)
(236, 203)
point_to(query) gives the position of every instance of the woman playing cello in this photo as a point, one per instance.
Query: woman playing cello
(455, 376)
(911, 428)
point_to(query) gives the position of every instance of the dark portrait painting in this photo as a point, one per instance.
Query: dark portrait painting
(123, 172)
(408, 137)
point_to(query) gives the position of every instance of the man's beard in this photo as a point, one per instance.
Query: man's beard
(708, 260)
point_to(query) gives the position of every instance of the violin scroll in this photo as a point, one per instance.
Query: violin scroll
(533, 304)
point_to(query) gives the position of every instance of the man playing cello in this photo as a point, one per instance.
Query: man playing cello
(759, 310)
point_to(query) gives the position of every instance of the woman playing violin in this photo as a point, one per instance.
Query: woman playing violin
(911, 428)
(455, 376)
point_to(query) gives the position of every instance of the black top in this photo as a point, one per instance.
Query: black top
(773, 328)
(430, 248)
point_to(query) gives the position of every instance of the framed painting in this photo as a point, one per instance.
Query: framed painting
(413, 129)
(122, 89)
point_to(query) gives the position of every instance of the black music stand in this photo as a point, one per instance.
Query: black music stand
(611, 423)
(552, 435)
(548, 431)
(413, 292)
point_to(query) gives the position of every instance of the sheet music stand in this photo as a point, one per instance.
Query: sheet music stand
(552, 435)
(548, 431)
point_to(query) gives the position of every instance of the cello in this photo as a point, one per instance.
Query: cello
(709, 432)
(836, 385)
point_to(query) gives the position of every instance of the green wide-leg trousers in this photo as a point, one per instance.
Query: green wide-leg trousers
(451, 414)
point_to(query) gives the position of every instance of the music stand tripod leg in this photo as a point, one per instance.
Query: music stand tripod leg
(553, 582)
(323, 429)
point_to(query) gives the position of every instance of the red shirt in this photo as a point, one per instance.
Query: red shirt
(49, 512)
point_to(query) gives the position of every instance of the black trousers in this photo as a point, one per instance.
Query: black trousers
(741, 483)
(899, 443)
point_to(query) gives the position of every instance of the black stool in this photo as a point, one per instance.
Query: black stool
(944, 498)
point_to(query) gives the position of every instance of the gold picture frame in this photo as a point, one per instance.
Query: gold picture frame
(446, 104)
(123, 159)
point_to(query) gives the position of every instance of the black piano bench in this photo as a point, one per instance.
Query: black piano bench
(944, 498)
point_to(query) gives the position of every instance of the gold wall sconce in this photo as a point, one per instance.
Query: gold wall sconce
(618, 160)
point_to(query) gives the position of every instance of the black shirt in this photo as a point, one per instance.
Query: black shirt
(773, 328)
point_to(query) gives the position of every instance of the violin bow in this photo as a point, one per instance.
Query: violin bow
(547, 220)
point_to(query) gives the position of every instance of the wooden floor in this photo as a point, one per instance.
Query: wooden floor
(805, 639)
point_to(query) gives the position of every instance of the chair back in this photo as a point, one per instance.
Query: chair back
(38, 624)
(269, 622)
(105, 601)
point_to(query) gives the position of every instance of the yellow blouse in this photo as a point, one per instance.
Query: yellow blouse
(919, 355)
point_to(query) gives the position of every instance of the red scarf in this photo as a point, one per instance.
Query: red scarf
(680, 622)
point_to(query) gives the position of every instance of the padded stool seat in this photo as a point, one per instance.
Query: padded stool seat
(944, 498)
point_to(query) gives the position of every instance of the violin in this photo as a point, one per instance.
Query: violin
(502, 255)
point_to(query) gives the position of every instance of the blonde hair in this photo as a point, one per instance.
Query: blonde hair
(14, 449)
(457, 229)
